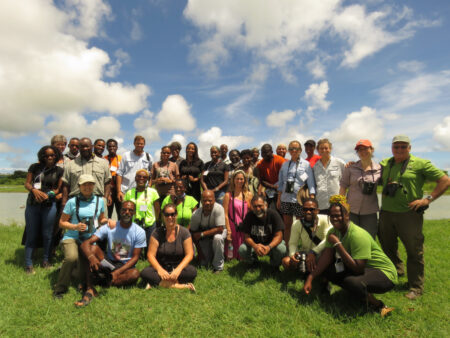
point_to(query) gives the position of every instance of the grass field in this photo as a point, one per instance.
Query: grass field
(238, 302)
(12, 188)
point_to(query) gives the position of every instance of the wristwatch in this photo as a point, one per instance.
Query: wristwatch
(430, 198)
(201, 234)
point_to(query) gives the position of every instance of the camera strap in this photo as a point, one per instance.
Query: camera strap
(77, 207)
(391, 163)
(234, 209)
(296, 168)
(316, 240)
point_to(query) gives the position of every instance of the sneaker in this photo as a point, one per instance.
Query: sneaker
(46, 265)
(29, 270)
(411, 295)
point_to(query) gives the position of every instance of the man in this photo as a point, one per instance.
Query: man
(402, 207)
(86, 163)
(175, 148)
(74, 148)
(99, 147)
(312, 158)
(223, 154)
(268, 169)
(114, 161)
(208, 231)
(281, 150)
(263, 234)
(131, 162)
(255, 156)
(125, 243)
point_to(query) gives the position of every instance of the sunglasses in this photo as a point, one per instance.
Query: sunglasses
(172, 214)
(309, 209)
(400, 147)
(51, 155)
(142, 176)
(294, 149)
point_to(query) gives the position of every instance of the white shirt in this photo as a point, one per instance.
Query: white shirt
(327, 180)
(129, 165)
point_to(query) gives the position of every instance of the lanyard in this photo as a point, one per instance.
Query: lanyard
(234, 209)
(296, 167)
(77, 207)
(371, 171)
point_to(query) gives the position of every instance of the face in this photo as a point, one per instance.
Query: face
(49, 157)
(255, 154)
(246, 160)
(165, 154)
(324, 150)
(61, 146)
(87, 189)
(99, 148)
(86, 148)
(267, 153)
(309, 149)
(208, 200)
(364, 152)
(74, 146)
(239, 180)
(310, 210)
(170, 216)
(223, 150)
(259, 207)
(295, 150)
(281, 151)
(401, 150)
(112, 148)
(141, 179)
(127, 212)
(139, 145)
(175, 152)
(234, 157)
(179, 188)
(190, 150)
(214, 154)
(338, 220)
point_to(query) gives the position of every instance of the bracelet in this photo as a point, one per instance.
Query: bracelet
(201, 234)
(270, 247)
(336, 244)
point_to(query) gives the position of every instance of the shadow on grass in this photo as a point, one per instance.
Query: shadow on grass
(19, 258)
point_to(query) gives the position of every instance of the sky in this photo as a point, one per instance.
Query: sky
(239, 72)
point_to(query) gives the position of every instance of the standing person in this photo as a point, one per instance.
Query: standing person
(185, 204)
(402, 208)
(60, 142)
(281, 150)
(99, 147)
(268, 170)
(255, 156)
(236, 204)
(249, 170)
(361, 180)
(190, 171)
(294, 174)
(164, 173)
(327, 173)
(235, 162)
(131, 162)
(44, 180)
(223, 154)
(312, 158)
(175, 148)
(74, 148)
(215, 175)
(114, 161)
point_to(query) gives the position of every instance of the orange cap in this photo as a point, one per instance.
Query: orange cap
(364, 143)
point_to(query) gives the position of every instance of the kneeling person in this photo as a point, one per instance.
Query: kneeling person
(263, 233)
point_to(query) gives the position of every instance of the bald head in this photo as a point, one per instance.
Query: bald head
(208, 200)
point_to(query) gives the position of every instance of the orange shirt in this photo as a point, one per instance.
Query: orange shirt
(113, 166)
(268, 171)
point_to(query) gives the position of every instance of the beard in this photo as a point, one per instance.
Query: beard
(126, 218)
(260, 214)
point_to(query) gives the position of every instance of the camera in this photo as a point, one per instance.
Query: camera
(289, 187)
(301, 257)
(368, 188)
(391, 188)
(89, 221)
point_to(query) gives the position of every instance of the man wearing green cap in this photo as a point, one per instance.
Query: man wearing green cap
(402, 208)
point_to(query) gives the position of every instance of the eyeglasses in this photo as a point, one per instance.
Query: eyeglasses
(172, 214)
(50, 155)
(142, 176)
(294, 149)
(400, 147)
(309, 209)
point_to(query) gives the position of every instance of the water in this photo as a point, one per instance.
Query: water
(12, 208)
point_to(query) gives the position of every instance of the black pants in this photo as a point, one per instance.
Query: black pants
(371, 281)
(115, 203)
(187, 275)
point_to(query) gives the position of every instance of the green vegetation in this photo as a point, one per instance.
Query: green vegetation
(13, 182)
(239, 302)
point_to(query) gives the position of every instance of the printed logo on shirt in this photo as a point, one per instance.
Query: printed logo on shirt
(120, 249)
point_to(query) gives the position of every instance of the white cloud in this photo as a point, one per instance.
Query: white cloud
(145, 125)
(316, 95)
(412, 66)
(178, 138)
(5, 148)
(442, 133)
(175, 114)
(136, 31)
(45, 58)
(214, 136)
(279, 119)
(122, 58)
(316, 68)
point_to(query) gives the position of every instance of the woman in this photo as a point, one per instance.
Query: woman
(44, 180)
(190, 170)
(293, 175)
(164, 173)
(249, 170)
(169, 254)
(185, 204)
(236, 204)
(215, 175)
(236, 164)
(147, 202)
(60, 143)
(361, 180)
(81, 216)
(327, 174)
(360, 266)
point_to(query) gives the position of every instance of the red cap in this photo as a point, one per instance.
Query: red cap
(364, 143)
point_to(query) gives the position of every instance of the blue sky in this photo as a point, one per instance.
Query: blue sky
(237, 72)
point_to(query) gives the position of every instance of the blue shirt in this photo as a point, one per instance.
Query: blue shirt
(121, 241)
(298, 172)
(87, 209)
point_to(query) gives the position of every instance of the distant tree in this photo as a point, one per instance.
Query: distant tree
(19, 174)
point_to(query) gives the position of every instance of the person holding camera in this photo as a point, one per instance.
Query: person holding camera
(361, 179)
(293, 175)
(402, 208)
(81, 216)
(308, 234)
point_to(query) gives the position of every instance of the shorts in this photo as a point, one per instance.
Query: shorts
(288, 208)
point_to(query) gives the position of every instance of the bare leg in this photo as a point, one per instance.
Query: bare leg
(128, 277)
(287, 219)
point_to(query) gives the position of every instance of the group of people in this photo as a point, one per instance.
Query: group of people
(235, 206)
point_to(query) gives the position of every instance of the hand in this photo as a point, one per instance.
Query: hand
(120, 196)
(333, 239)
(111, 223)
(295, 260)
(278, 204)
(348, 164)
(191, 178)
(174, 275)
(94, 263)
(164, 274)
(307, 287)
(114, 276)
(311, 262)
(40, 196)
(414, 205)
(266, 249)
(229, 237)
(81, 227)
(109, 200)
(196, 236)
(260, 250)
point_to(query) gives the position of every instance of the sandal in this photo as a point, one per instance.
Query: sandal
(85, 301)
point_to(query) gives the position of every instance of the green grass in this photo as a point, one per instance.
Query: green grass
(12, 188)
(236, 303)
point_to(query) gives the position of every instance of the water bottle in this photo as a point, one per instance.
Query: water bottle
(230, 251)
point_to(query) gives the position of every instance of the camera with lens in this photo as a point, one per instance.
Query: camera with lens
(301, 257)
(289, 187)
(89, 221)
(391, 188)
(368, 188)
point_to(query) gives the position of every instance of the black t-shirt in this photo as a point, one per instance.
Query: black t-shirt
(194, 169)
(47, 177)
(170, 253)
(216, 174)
(262, 230)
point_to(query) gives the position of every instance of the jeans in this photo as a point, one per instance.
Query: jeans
(276, 254)
(39, 220)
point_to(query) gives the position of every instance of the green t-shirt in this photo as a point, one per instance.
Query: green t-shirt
(417, 172)
(184, 210)
(360, 245)
(144, 204)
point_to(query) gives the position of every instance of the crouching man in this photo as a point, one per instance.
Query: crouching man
(125, 242)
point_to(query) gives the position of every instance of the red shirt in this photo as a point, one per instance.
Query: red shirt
(268, 171)
(313, 159)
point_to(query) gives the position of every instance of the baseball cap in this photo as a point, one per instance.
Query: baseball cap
(85, 178)
(364, 143)
(401, 138)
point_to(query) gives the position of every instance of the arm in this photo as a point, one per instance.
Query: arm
(119, 189)
(225, 181)
(65, 194)
(356, 265)
(442, 185)
(188, 256)
(202, 182)
(128, 265)
(277, 238)
(257, 247)
(86, 247)
(65, 224)
(151, 256)
(157, 207)
(311, 181)
(324, 261)
(226, 202)
(108, 193)
(39, 195)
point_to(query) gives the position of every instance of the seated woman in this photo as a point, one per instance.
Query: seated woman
(360, 266)
(186, 205)
(44, 183)
(169, 254)
(81, 216)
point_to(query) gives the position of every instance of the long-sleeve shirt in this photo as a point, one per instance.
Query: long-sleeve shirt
(300, 238)
(299, 172)
(327, 180)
